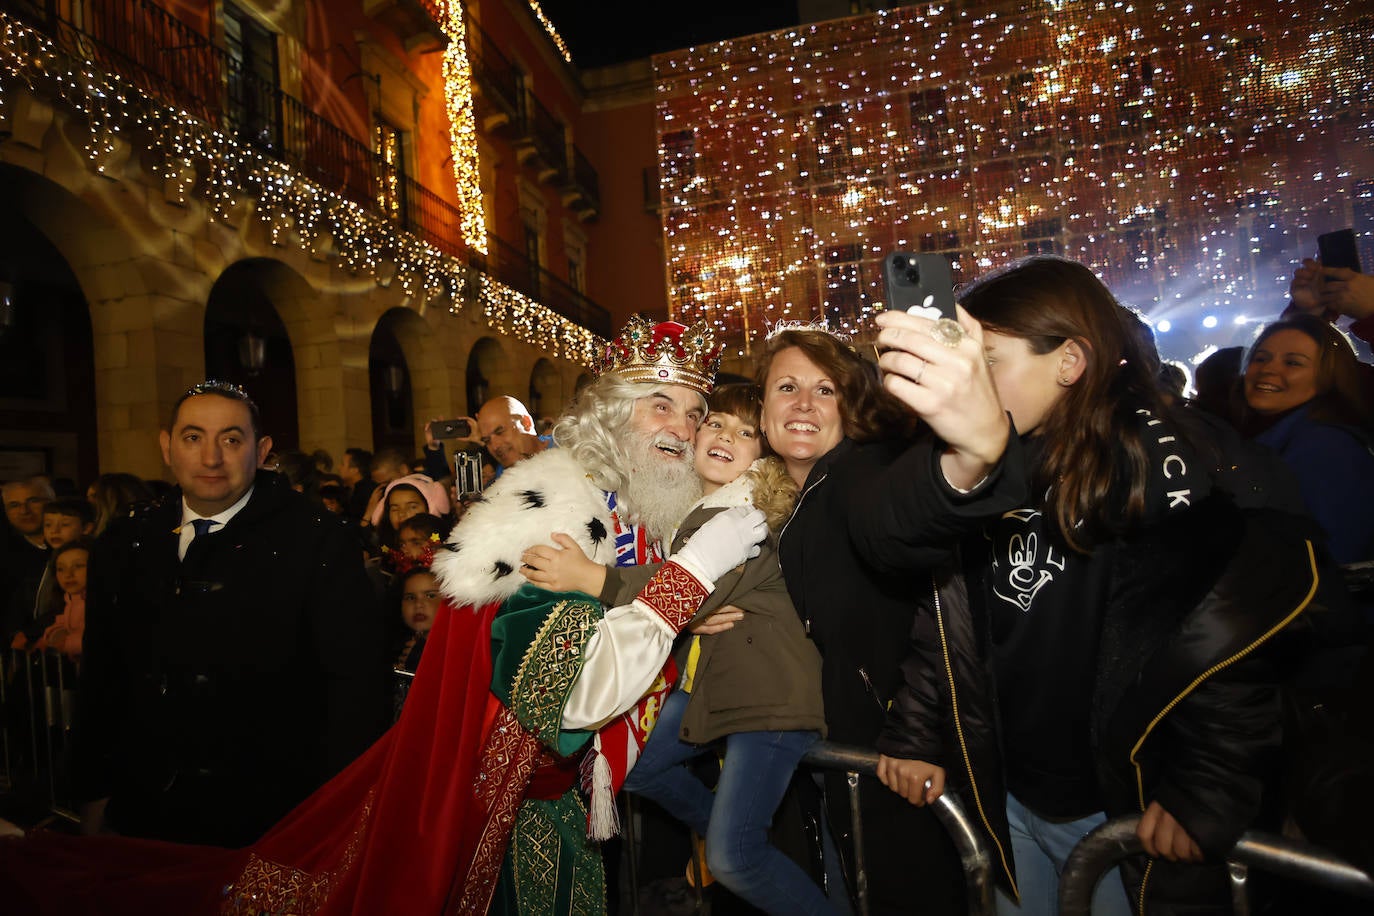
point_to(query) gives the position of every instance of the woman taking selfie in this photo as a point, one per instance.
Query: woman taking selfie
(1101, 649)
(841, 436)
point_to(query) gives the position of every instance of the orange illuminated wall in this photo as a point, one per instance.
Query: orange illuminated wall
(1189, 152)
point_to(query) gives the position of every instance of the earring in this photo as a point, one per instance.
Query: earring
(1064, 382)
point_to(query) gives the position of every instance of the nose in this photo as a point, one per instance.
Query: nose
(682, 427)
(211, 454)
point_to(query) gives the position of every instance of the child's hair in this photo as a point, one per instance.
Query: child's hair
(425, 524)
(51, 600)
(743, 399)
(72, 508)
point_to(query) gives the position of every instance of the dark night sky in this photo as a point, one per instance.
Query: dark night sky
(602, 32)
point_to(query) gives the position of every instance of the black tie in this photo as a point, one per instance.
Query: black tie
(202, 526)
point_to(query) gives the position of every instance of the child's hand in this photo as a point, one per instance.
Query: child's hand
(564, 568)
(718, 621)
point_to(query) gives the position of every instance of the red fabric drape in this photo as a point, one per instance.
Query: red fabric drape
(388, 834)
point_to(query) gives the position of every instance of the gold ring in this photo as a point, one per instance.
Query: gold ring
(916, 380)
(948, 332)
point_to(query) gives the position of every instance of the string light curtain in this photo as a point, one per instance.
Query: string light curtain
(1188, 152)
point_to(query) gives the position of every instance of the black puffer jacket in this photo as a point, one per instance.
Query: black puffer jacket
(1185, 706)
(856, 572)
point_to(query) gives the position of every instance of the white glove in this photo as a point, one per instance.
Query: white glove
(726, 540)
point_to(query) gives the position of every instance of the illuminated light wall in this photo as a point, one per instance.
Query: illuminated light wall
(1189, 152)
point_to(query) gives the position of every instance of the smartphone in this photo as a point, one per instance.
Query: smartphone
(919, 282)
(450, 429)
(467, 472)
(1338, 249)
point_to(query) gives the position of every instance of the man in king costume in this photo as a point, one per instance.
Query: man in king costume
(472, 802)
(575, 687)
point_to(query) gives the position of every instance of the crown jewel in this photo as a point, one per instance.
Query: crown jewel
(665, 352)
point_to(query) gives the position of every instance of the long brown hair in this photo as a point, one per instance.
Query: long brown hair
(868, 411)
(1340, 395)
(1045, 301)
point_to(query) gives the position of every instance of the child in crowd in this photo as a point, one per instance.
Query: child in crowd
(64, 520)
(414, 494)
(66, 604)
(755, 685)
(420, 600)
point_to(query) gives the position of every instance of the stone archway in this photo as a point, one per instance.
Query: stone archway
(546, 397)
(49, 415)
(408, 381)
(486, 371)
(246, 341)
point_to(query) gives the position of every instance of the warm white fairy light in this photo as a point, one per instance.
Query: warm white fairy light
(463, 128)
(1183, 154)
(552, 32)
(291, 207)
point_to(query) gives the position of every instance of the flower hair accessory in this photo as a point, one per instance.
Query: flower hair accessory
(665, 352)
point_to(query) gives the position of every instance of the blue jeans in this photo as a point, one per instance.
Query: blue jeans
(735, 819)
(1040, 848)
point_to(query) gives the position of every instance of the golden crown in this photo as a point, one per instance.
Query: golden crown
(666, 352)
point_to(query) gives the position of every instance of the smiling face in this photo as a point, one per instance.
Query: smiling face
(801, 412)
(664, 424)
(726, 446)
(420, 600)
(508, 435)
(71, 571)
(212, 452)
(1282, 373)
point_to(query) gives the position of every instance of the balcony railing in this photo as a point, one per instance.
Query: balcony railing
(511, 266)
(173, 62)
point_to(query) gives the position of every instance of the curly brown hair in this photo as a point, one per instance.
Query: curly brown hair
(868, 411)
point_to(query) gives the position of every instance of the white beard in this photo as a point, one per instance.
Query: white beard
(659, 492)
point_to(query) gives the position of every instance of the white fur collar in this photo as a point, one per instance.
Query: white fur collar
(543, 494)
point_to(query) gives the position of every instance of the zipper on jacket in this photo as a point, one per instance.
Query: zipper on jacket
(963, 745)
(806, 621)
(1224, 663)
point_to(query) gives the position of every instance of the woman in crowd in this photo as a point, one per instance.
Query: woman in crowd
(840, 435)
(111, 495)
(1304, 398)
(1103, 648)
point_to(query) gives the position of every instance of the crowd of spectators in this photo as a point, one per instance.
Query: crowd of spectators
(1038, 475)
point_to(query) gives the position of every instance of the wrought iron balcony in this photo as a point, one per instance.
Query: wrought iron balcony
(174, 63)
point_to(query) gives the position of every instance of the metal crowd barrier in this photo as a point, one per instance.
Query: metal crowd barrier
(1115, 840)
(39, 706)
(854, 762)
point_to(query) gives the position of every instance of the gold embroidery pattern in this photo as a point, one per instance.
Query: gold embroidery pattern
(267, 888)
(550, 665)
(535, 852)
(550, 844)
(674, 594)
(508, 760)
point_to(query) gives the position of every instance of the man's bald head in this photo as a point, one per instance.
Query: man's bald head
(507, 430)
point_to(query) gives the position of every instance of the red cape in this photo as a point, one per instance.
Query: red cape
(387, 835)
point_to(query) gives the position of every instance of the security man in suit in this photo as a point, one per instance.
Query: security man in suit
(235, 657)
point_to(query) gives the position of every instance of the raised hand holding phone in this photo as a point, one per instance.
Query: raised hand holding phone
(937, 368)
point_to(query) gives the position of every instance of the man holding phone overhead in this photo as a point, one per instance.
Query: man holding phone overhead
(507, 431)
